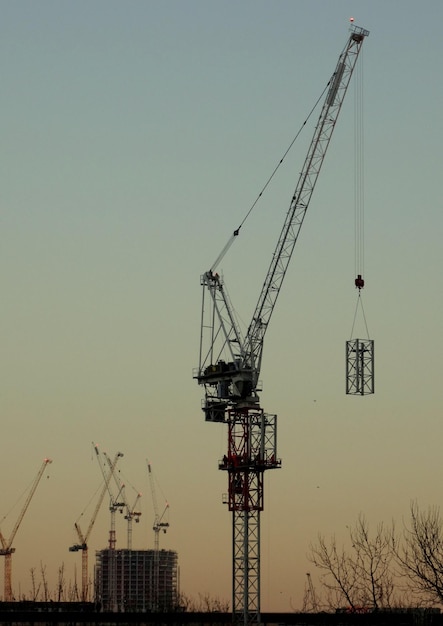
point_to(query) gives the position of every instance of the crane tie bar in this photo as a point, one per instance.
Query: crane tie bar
(237, 230)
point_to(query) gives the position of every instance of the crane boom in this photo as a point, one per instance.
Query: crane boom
(159, 524)
(300, 201)
(230, 368)
(107, 478)
(7, 549)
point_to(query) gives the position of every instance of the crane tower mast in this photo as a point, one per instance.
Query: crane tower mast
(230, 364)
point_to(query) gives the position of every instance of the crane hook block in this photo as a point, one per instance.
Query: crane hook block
(359, 282)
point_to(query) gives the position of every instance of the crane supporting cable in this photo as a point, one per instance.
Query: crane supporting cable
(268, 182)
(359, 352)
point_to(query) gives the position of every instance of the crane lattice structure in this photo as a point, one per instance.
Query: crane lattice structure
(116, 503)
(230, 364)
(83, 538)
(7, 550)
(310, 600)
(132, 514)
(160, 524)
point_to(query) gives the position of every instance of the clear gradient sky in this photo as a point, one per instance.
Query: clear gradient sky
(135, 136)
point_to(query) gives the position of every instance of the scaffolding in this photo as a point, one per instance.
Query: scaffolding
(135, 583)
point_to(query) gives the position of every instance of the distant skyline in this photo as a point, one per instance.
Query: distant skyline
(135, 138)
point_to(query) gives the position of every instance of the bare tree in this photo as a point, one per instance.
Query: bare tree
(61, 583)
(420, 553)
(360, 577)
(205, 603)
(45, 582)
(35, 589)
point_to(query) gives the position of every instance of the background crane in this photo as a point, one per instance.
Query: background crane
(131, 515)
(83, 538)
(160, 524)
(120, 503)
(116, 503)
(7, 549)
(230, 364)
(310, 601)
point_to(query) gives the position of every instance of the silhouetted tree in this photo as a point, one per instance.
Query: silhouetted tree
(360, 577)
(35, 588)
(420, 554)
(205, 603)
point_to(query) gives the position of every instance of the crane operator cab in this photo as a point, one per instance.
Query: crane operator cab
(226, 384)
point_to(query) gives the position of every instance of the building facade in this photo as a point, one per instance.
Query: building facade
(136, 580)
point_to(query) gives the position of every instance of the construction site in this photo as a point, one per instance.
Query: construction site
(127, 580)
(124, 579)
(136, 580)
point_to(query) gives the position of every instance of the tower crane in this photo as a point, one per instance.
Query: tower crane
(310, 602)
(6, 546)
(132, 514)
(120, 502)
(159, 525)
(230, 364)
(83, 538)
(116, 503)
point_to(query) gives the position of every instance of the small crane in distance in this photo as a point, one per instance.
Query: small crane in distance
(160, 524)
(310, 601)
(6, 546)
(116, 503)
(83, 538)
(132, 514)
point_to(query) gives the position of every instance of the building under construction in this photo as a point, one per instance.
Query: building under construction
(136, 580)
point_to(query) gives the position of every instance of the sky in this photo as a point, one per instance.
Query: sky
(135, 137)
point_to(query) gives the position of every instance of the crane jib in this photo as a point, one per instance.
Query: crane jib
(335, 84)
(230, 365)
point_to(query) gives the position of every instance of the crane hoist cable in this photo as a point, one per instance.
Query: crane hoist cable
(265, 186)
(359, 304)
(359, 191)
(360, 355)
(359, 170)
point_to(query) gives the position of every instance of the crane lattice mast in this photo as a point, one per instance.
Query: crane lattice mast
(6, 546)
(230, 365)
